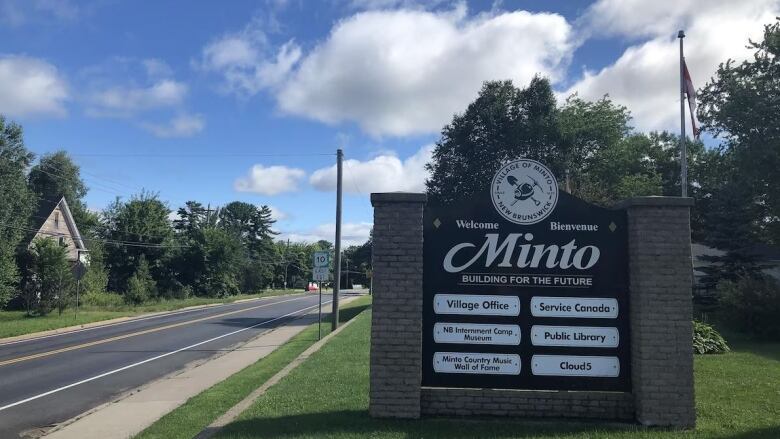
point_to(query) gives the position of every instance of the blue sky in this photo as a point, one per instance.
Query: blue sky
(240, 100)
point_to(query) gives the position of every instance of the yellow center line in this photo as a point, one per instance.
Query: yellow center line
(133, 334)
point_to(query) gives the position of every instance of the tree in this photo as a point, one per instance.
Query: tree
(222, 256)
(51, 281)
(247, 221)
(253, 227)
(359, 268)
(742, 105)
(193, 216)
(16, 204)
(56, 176)
(503, 123)
(141, 285)
(95, 280)
(506, 123)
(136, 228)
(586, 129)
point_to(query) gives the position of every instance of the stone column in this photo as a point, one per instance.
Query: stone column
(396, 322)
(660, 278)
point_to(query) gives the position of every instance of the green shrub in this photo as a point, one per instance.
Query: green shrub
(102, 299)
(752, 305)
(140, 286)
(707, 340)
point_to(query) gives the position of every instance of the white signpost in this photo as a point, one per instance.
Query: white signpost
(321, 273)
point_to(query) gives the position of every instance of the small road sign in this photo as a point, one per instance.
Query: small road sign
(322, 259)
(321, 273)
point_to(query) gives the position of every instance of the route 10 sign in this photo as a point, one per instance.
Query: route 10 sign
(321, 270)
(321, 259)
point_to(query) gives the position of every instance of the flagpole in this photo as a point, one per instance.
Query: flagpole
(683, 146)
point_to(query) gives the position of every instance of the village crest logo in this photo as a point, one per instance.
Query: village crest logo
(524, 191)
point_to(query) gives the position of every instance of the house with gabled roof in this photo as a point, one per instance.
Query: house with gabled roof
(54, 220)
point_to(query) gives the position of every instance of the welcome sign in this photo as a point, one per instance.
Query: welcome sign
(525, 287)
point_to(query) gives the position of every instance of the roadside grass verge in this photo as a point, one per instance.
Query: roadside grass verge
(198, 412)
(738, 397)
(13, 323)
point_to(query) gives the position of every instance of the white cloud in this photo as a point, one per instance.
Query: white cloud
(271, 180)
(394, 4)
(645, 77)
(383, 173)
(18, 12)
(394, 72)
(157, 68)
(278, 214)
(422, 67)
(351, 233)
(30, 86)
(125, 100)
(246, 61)
(184, 125)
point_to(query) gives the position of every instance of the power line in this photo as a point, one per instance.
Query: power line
(110, 190)
(111, 182)
(105, 241)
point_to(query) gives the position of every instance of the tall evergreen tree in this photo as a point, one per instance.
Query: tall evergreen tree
(56, 176)
(16, 204)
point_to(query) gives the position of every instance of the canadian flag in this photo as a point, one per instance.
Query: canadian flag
(690, 91)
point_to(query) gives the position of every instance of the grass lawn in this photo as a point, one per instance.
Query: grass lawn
(197, 413)
(14, 323)
(738, 397)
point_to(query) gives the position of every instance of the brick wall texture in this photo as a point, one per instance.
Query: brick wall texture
(616, 406)
(396, 322)
(660, 312)
(660, 276)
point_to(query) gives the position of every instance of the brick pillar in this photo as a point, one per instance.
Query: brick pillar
(396, 322)
(660, 277)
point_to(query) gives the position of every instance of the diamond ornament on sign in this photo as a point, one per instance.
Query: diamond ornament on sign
(612, 227)
(436, 223)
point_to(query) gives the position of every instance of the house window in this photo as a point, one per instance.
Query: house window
(62, 240)
(57, 220)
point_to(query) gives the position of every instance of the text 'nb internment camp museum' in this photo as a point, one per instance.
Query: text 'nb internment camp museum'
(526, 301)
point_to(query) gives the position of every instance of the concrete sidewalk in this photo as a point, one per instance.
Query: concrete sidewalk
(140, 408)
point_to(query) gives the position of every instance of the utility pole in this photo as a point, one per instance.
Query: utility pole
(683, 146)
(337, 274)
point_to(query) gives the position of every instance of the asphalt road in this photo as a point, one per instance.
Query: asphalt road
(48, 380)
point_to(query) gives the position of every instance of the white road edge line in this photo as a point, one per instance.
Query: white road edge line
(139, 319)
(129, 366)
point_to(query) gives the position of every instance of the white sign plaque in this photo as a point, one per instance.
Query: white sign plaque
(575, 365)
(476, 333)
(476, 305)
(476, 363)
(321, 259)
(321, 273)
(576, 307)
(575, 336)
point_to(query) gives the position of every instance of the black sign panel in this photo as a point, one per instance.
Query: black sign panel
(525, 288)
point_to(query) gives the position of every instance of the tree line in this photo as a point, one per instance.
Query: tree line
(135, 249)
